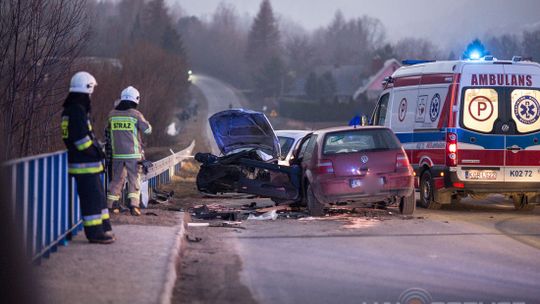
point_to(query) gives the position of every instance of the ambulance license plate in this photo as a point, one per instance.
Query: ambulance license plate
(522, 174)
(481, 174)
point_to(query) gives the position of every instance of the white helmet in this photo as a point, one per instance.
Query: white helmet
(82, 82)
(131, 94)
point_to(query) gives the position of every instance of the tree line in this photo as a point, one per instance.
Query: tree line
(150, 45)
(43, 42)
(266, 54)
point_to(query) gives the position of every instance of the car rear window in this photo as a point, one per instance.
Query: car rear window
(360, 141)
(285, 143)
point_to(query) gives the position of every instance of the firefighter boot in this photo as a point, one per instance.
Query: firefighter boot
(135, 211)
(96, 235)
(115, 209)
(107, 229)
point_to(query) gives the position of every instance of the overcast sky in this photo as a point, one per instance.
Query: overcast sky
(447, 23)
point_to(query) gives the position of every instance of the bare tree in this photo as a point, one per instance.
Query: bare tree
(349, 41)
(300, 54)
(505, 46)
(416, 48)
(38, 41)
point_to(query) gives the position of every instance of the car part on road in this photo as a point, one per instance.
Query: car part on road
(270, 215)
(218, 225)
(193, 239)
(217, 212)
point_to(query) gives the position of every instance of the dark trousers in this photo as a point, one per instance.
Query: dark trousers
(91, 194)
(93, 205)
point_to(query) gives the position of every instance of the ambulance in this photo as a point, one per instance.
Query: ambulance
(469, 127)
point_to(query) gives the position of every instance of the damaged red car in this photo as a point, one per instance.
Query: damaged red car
(362, 165)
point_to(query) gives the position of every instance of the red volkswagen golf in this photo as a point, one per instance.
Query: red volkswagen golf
(355, 165)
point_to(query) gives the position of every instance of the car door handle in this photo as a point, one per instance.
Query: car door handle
(514, 148)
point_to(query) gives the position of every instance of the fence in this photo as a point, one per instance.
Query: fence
(44, 198)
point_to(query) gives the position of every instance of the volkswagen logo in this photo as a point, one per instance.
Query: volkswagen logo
(364, 159)
(505, 128)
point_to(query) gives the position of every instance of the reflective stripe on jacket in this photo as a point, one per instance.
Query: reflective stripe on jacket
(125, 128)
(83, 150)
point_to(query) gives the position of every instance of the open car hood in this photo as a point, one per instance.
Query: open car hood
(240, 129)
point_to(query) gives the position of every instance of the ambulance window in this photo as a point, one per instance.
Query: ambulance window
(380, 111)
(526, 109)
(480, 109)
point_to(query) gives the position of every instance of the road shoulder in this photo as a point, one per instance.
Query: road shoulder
(135, 269)
(209, 271)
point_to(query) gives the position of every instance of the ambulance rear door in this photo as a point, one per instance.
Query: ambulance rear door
(522, 155)
(481, 140)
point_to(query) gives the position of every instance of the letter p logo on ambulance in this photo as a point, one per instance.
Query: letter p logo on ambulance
(481, 108)
(527, 109)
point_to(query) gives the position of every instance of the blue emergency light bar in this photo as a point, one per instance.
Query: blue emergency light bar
(415, 61)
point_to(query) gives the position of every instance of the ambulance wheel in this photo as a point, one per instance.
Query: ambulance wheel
(315, 208)
(521, 203)
(407, 204)
(427, 189)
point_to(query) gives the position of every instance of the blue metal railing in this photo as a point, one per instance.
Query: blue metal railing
(44, 204)
(44, 198)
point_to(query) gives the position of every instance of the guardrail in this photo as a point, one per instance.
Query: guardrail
(44, 198)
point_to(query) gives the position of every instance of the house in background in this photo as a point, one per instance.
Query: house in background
(353, 82)
(347, 79)
(372, 88)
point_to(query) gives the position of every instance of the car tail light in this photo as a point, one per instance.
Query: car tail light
(325, 167)
(402, 161)
(459, 185)
(451, 149)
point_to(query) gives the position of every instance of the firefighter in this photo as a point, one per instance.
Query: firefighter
(85, 159)
(126, 124)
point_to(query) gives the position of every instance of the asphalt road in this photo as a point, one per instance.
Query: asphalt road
(476, 252)
(219, 96)
(487, 253)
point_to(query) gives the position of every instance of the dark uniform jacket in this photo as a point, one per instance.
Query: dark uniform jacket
(84, 153)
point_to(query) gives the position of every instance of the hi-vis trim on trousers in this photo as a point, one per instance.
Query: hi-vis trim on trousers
(105, 214)
(113, 197)
(85, 168)
(92, 220)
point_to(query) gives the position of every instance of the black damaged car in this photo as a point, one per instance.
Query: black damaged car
(249, 160)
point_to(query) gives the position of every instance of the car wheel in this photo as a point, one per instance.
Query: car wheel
(407, 204)
(427, 192)
(315, 208)
(521, 202)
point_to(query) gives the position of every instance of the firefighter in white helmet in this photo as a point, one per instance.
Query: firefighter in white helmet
(85, 158)
(125, 126)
